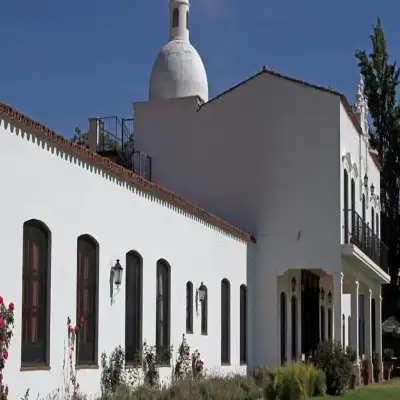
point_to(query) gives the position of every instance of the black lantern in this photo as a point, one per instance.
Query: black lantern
(330, 297)
(322, 294)
(293, 284)
(117, 273)
(366, 181)
(202, 292)
(372, 188)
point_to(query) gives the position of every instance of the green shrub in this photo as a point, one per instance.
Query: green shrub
(335, 363)
(291, 382)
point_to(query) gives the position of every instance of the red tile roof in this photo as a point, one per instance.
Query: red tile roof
(82, 152)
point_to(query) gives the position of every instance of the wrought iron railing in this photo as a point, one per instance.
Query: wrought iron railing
(116, 135)
(359, 233)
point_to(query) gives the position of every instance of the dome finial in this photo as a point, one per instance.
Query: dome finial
(179, 20)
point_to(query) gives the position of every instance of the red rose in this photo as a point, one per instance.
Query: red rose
(5, 354)
(187, 354)
(1, 300)
(76, 329)
(1, 322)
(72, 348)
(78, 385)
(70, 329)
(11, 306)
(82, 319)
(6, 389)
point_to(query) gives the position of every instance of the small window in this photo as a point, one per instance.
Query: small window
(175, 18)
(204, 313)
(189, 307)
(163, 312)
(283, 328)
(187, 20)
(36, 283)
(87, 299)
(243, 324)
(294, 327)
(133, 307)
(225, 322)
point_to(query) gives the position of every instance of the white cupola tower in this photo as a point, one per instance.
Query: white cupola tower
(179, 20)
(178, 70)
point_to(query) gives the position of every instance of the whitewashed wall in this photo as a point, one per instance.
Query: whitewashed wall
(73, 199)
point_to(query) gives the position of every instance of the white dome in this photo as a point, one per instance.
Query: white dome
(178, 72)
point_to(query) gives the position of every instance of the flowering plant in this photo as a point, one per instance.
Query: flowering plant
(183, 368)
(6, 333)
(197, 364)
(70, 375)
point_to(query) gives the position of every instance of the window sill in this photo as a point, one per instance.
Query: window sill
(225, 364)
(189, 332)
(243, 363)
(204, 333)
(35, 368)
(87, 366)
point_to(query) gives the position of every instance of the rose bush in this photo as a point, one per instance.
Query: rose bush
(6, 333)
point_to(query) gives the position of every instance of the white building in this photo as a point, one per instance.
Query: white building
(284, 164)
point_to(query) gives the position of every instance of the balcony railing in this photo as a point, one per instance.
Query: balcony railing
(358, 232)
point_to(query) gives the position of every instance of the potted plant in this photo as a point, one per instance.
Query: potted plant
(387, 363)
(377, 366)
(365, 370)
(352, 357)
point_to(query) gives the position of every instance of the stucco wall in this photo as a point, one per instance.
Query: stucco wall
(266, 157)
(72, 199)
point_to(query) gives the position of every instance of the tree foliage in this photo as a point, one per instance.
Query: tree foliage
(381, 78)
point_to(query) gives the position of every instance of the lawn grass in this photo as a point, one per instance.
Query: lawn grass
(384, 391)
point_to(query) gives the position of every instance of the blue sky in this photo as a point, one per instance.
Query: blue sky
(63, 61)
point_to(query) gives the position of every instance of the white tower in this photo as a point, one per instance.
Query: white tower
(178, 70)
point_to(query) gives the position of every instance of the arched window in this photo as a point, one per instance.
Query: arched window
(373, 219)
(133, 306)
(189, 307)
(329, 323)
(187, 20)
(36, 282)
(87, 299)
(225, 321)
(243, 324)
(353, 205)
(294, 327)
(204, 313)
(344, 332)
(322, 322)
(377, 225)
(283, 327)
(163, 311)
(346, 205)
(175, 18)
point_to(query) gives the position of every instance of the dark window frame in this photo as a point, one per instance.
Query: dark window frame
(175, 18)
(189, 307)
(294, 309)
(187, 20)
(225, 316)
(163, 353)
(243, 324)
(39, 355)
(346, 205)
(83, 357)
(134, 328)
(204, 313)
(283, 327)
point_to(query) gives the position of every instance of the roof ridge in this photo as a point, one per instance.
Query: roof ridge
(81, 151)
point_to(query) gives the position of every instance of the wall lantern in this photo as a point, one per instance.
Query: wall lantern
(330, 297)
(115, 280)
(293, 284)
(366, 181)
(200, 295)
(322, 294)
(372, 188)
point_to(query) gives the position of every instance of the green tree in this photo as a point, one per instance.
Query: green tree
(381, 79)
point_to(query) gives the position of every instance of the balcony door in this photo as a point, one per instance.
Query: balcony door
(353, 206)
(346, 205)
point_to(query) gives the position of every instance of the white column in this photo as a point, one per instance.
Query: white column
(337, 306)
(378, 328)
(355, 337)
(289, 320)
(368, 328)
